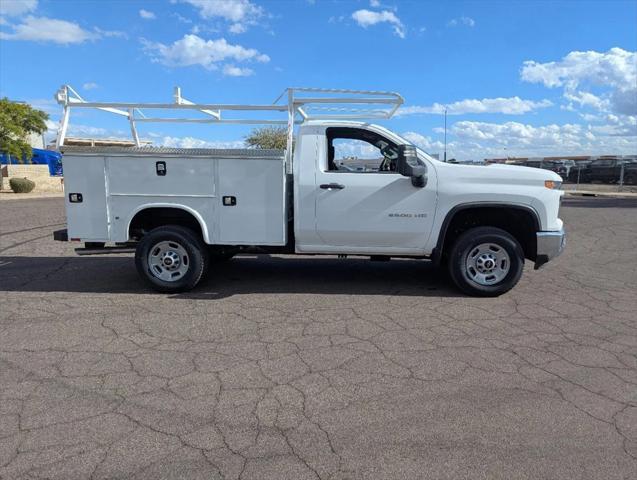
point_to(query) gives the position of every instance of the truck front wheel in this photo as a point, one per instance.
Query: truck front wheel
(486, 262)
(171, 259)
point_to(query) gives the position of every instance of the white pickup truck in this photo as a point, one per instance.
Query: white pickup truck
(345, 188)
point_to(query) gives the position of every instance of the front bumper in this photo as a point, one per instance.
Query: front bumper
(549, 246)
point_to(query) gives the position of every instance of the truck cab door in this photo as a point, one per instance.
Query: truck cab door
(362, 204)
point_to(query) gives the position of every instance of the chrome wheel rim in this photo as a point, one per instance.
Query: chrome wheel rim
(487, 264)
(168, 261)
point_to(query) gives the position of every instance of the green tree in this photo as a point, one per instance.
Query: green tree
(268, 137)
(17, 122)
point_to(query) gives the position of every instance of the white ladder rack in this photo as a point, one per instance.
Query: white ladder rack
(298, 104)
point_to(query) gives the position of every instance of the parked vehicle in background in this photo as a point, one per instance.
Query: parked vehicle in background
(39, 157)
(610, 171)
(533, 163)
(575, 172)
(346, 188)
(552, 165)
(563, 168)
(48, 157)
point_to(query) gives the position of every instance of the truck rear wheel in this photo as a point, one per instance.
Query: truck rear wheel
(171, 259)
(486, 262)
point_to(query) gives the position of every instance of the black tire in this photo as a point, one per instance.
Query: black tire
(467, 243)
(196, 258)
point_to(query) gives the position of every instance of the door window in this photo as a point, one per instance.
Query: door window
(352, 150)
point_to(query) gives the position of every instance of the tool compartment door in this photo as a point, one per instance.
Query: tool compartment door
(86, 219)
(251, 201)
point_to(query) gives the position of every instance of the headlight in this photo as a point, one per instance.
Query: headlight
(552, 184)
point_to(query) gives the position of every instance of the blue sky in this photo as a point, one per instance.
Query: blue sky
(524, 78)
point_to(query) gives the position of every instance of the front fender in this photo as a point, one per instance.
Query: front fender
(444, 220)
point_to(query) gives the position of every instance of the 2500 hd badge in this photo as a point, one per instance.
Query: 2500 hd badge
(408, 215)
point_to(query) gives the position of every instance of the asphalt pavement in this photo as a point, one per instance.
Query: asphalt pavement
(292, 368)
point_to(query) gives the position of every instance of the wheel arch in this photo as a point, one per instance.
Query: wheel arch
(497, 210)
(188, 215)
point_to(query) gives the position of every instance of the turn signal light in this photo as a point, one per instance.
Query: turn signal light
(552, 184)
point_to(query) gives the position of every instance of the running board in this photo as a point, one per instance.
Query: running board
(104, 250)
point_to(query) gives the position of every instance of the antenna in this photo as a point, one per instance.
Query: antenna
(445, 159)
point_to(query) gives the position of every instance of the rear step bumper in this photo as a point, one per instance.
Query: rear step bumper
(92, 248)
(61, 235)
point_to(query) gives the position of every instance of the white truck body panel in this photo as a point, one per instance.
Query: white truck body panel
(88, 219)
(259, 218)
(376, 213)
(116, 184)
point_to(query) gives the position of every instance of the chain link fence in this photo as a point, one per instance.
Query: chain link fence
(602, 176)
(598, 175)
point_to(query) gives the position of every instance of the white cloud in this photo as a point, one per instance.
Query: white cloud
(516, 132)
(615, 67)
(157, 139)
(242, 13)
(181, 18)
(43, 29)
(585, 99)
(467, 140)
(589, 117)
(47, 105)
(366, 18)
(147, 15)
(232, 10)
(614, 73)
(237, 28)
(234, 71)
(90, 86)
(85, 131)
(76, 130)
(17, 7)
(509, 106)
(110, 33)
(355, 149)
(466, 21)
(424, 142)
(476, 140)
(374, 3)
(615, 125)
(193, 50)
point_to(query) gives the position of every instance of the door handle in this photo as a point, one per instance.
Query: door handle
(332, 186)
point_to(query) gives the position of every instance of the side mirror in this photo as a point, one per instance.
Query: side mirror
(407, 165)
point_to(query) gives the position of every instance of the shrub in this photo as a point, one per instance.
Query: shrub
(268, 137)
(21, 185)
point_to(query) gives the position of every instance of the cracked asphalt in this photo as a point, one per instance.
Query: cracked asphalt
(305, 368)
